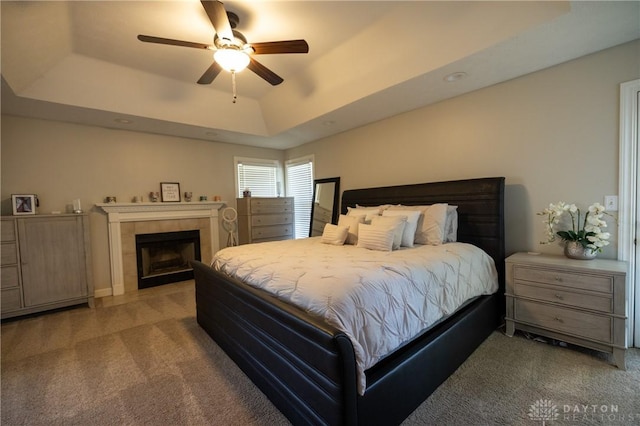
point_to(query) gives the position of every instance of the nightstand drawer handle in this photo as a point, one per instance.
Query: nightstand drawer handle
(558, 319)
(559, 296)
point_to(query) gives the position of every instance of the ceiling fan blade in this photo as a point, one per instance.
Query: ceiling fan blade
(264, 72)
(218, 17)
(172, 42)
(210, 74)
(287, 46)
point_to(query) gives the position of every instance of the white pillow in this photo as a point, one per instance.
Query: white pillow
(368, 212)
(374, 237)
(451, 225)
(334, 234)
(396, 223)
(431, 226)
(409, 233)
(351, 222)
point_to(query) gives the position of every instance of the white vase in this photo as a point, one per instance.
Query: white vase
(575, 250)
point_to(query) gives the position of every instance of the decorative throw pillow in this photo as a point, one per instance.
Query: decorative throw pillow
(410, 228)
(368, 212)
(396, 223)
(451, 225)
(334, 234)
(375, 237)
(351, 222)
(431, 226)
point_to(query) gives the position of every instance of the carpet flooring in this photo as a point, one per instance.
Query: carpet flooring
(145, 361)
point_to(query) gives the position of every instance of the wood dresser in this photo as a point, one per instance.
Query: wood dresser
(265, 219)
(577, 301)
(46, 263)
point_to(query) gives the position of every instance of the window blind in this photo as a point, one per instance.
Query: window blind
(299, 180)
(258, 177)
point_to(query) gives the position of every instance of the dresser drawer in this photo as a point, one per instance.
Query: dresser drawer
(272, 219)
(564, 320)
(563, 278)
(579, 300)
(10, 299)
(267, 208)
(272, 231)
(8, 254)
(9, 277)
(7, 230)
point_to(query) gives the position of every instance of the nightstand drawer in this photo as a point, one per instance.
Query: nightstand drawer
(273, 219)
(565, 320)
(272, 231)
(567, 279)
(579, 300)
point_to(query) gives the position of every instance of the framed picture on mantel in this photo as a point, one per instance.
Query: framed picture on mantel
(170, 192)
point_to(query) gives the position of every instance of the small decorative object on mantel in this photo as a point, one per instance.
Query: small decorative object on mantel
(110, 200)
(154, 196)
(170, 192)
(188, 196)
(583, 236)
(24, 203)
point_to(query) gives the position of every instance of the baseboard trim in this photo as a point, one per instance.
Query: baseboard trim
(102, 292)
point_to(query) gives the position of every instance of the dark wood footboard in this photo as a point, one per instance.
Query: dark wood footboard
(304, 366)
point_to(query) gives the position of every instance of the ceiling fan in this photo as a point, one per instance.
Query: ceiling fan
(232, 52)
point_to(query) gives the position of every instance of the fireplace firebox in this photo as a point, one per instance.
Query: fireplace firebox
(164, 258)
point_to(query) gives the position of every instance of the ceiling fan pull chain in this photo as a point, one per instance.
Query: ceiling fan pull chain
(233, 83)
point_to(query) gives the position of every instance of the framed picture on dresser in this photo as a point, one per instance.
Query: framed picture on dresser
(23, 204)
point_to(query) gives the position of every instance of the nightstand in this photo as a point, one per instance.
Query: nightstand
(577, 301)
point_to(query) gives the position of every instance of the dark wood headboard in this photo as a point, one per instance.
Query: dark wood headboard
(480, 208)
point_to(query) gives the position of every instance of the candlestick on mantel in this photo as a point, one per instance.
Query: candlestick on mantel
(77, 208)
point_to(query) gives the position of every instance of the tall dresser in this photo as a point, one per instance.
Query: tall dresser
(577, 301)
(265, 219)
(46, 263)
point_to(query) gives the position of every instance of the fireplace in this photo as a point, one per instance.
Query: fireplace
(164, 257)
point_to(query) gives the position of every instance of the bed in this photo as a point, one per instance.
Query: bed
(307, 367)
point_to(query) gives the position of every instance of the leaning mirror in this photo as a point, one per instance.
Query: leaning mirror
(325, 204)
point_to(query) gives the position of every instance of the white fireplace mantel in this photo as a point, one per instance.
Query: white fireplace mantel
(139, 212)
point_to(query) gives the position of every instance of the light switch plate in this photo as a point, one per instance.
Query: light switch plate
(611, 203)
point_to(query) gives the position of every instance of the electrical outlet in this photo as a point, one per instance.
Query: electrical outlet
(611, 203)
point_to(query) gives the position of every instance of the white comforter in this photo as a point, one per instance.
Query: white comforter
(379, 299)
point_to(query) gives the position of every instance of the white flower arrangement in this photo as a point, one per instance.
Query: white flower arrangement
(587, 232)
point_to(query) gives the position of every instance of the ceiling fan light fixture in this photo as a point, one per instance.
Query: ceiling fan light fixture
(231, 59)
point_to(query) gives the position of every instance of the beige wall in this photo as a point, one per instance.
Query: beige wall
(62, 161)
(553, 134)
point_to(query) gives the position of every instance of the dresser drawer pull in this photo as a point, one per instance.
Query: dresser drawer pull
(558, 320)
(559, 296)
(558, 279)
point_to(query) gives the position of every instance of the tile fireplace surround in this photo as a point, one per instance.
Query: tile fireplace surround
(128, 219)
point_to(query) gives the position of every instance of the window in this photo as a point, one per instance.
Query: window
(261, 177)
(299, 180)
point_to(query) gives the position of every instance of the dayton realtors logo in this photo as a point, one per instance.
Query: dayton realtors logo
(544, 410)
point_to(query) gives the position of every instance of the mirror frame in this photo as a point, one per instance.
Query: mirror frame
(336, 199)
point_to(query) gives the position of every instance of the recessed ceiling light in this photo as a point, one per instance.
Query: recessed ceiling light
(455, 76)
(123, 121)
